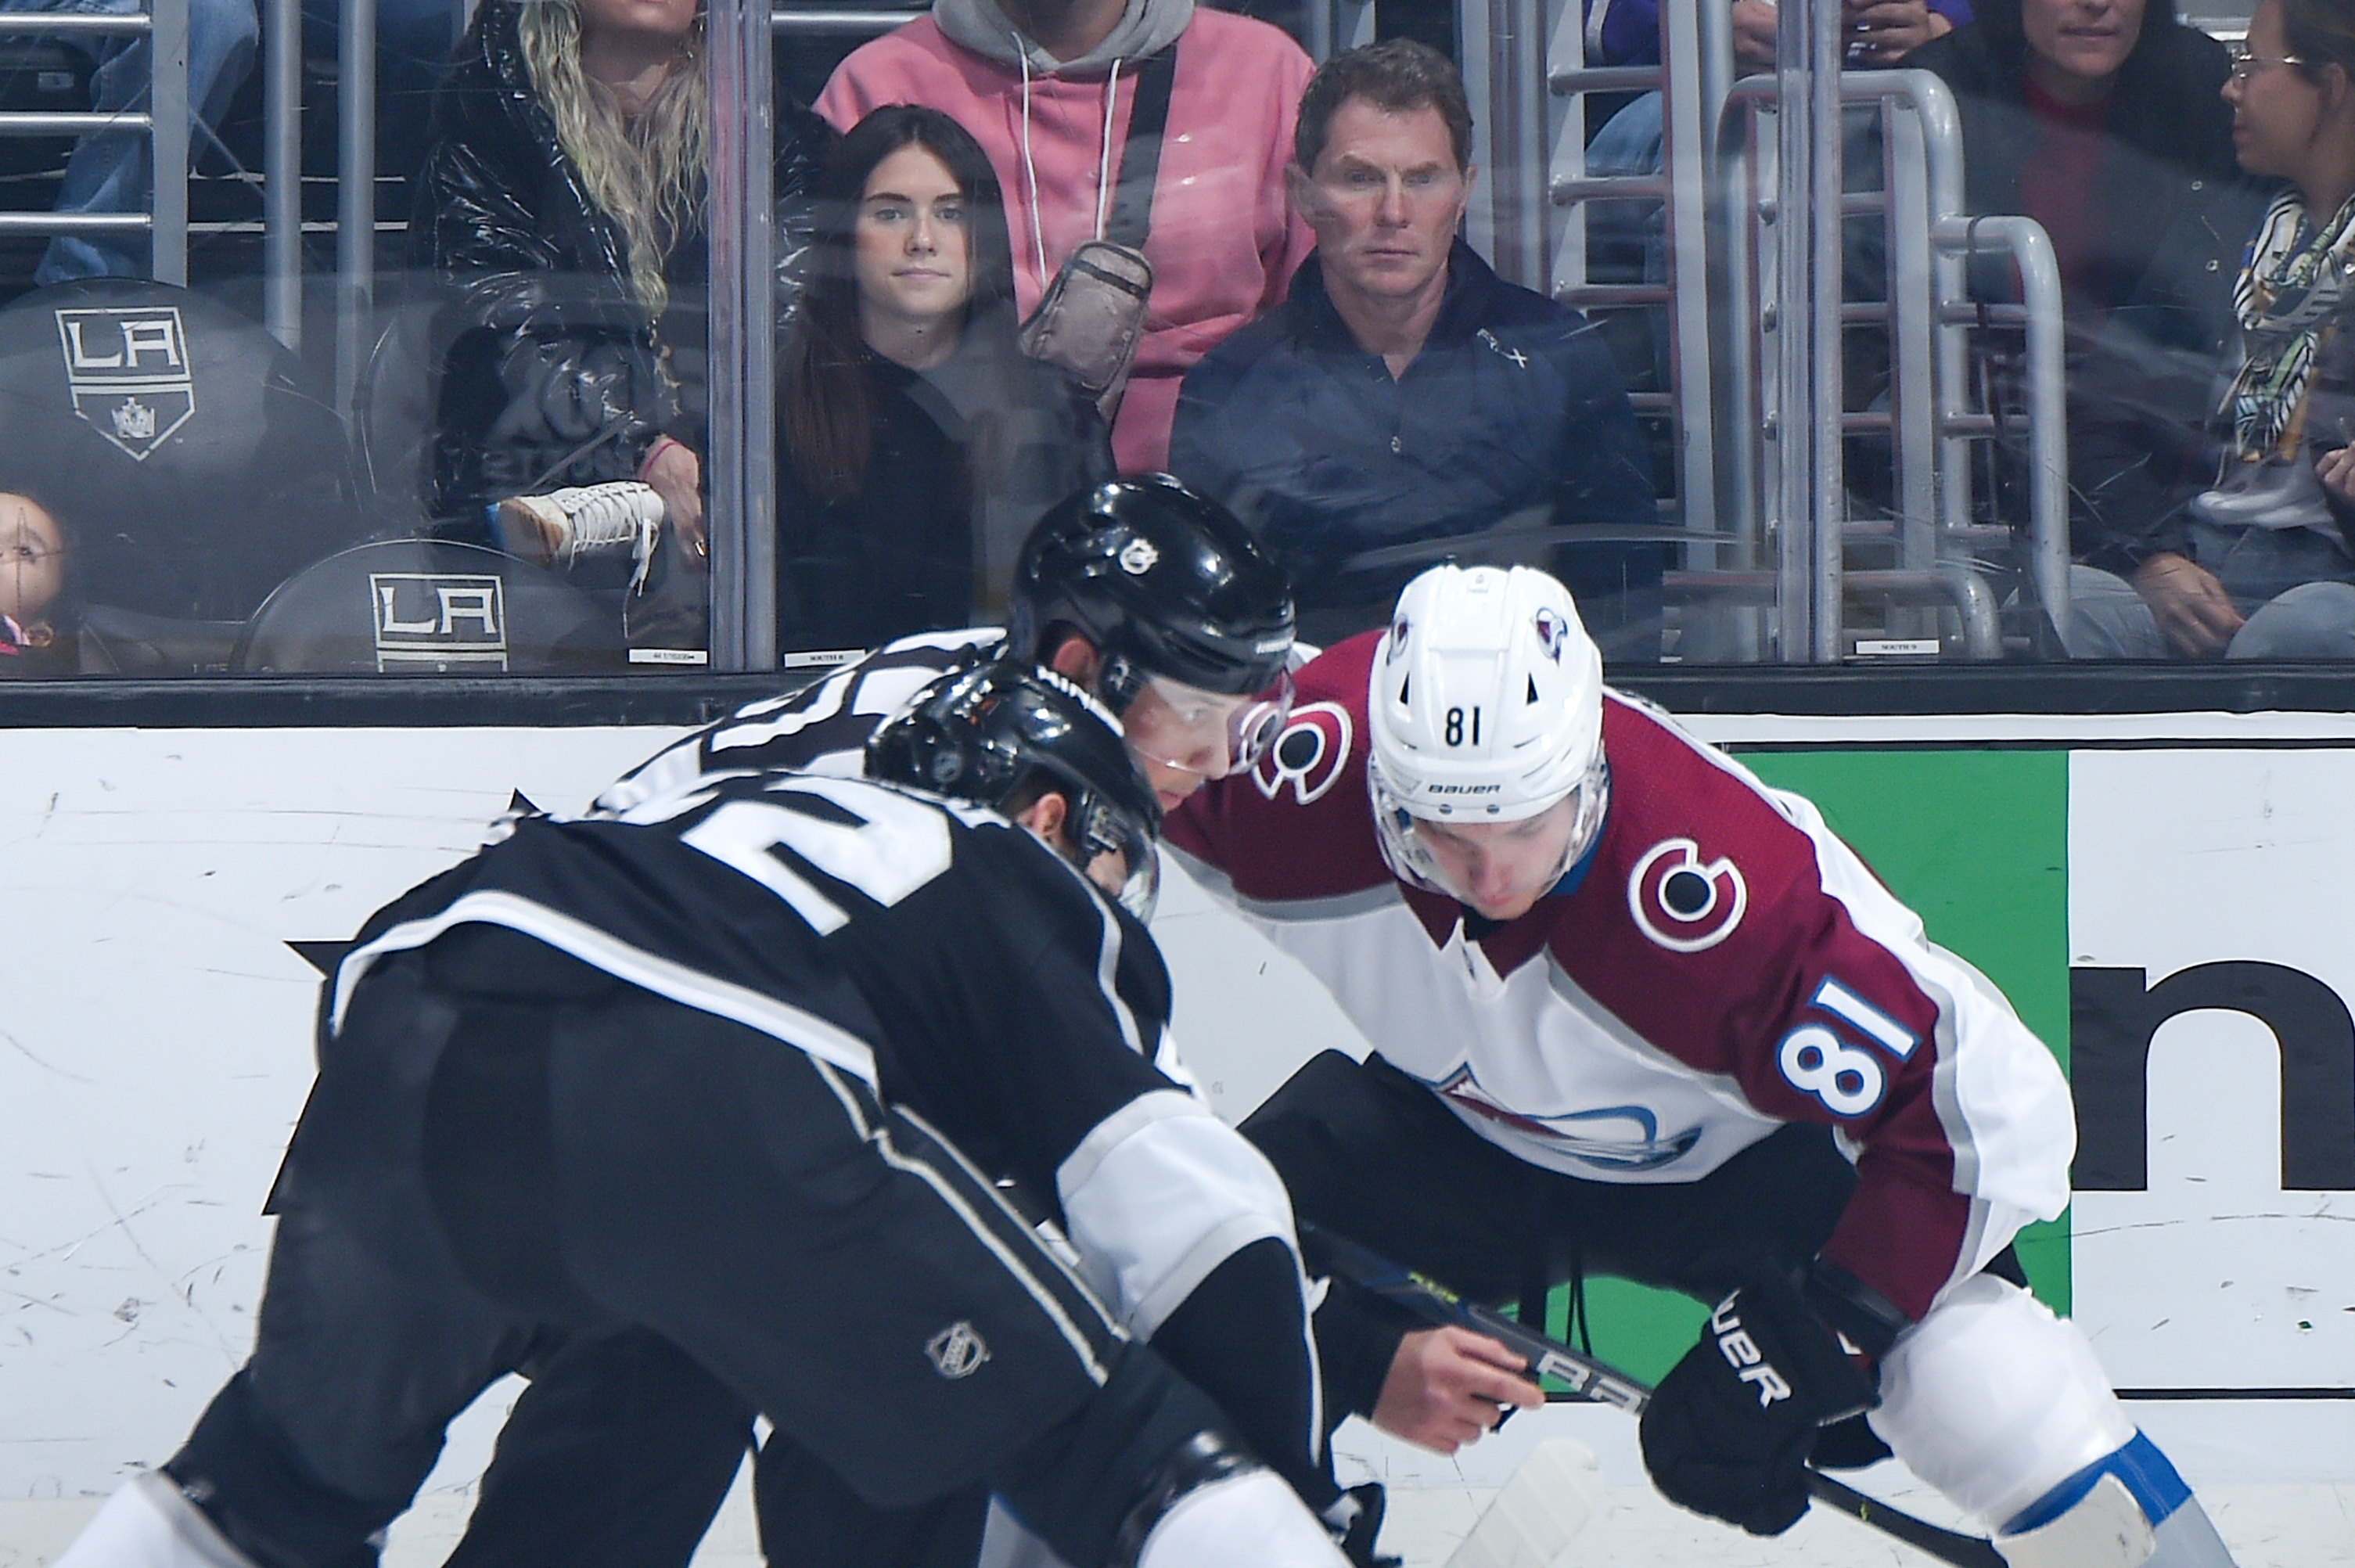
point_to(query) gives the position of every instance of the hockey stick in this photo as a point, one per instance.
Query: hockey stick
(1589, 1379)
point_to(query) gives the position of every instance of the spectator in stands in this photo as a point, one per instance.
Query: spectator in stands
(2259, 565)
(1881, 32)
(561, 207)
(112, 171)
(918, 443)
(1047, 87)
(2102, 119)
(32, 586)
(1406, 403)
(1627, 32)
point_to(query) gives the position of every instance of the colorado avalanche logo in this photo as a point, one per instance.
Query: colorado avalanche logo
(1615, 1137)
(1308, 754)
(1681, 903)
(1553, 631)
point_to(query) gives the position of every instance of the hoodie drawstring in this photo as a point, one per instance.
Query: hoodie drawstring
(1030, 164)
(1103, 159)
(1030, 172)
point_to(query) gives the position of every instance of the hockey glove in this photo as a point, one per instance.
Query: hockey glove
(1729, 1431)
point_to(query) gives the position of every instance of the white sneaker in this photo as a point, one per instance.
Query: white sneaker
(560, 527)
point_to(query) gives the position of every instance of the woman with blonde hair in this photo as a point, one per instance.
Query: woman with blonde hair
(562, 210)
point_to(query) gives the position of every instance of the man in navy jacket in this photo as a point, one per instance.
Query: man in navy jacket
(1406, 405)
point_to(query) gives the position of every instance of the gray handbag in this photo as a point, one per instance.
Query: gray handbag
(1092, 316)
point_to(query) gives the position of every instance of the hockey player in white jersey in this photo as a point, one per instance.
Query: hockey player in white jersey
(1636, 1013)
(730, 1068)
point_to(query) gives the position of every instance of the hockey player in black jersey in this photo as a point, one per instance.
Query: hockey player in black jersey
(1163, 606)
(1157, 601)
(727, 1069)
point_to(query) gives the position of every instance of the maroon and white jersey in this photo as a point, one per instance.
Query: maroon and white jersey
(1718, 964)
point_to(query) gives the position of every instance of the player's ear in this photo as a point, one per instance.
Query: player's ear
(1076, 660)
(1044, 818)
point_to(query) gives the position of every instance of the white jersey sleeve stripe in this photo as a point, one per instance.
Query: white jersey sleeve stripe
(1157, 1195)
(879, 1138)
(780, 1021)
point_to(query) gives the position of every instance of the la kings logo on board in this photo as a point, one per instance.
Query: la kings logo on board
(1683, 903)
(127, 371)
(956, 1351)
(1308, 754)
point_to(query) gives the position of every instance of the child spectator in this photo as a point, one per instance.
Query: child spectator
(32, 586)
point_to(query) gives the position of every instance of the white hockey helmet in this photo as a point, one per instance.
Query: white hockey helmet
(1485, 706)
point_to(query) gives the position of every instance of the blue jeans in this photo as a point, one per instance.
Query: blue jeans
(109, 172)
(2295, 587)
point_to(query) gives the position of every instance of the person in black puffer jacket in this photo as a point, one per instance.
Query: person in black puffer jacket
(2120, 146)
(560, 212)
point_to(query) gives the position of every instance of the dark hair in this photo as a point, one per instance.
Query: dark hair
(827, 412)
(2319, 33)
(1397, 76)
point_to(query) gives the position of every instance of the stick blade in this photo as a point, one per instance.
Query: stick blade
(1546, 1502)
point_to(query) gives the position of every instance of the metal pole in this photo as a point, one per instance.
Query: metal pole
(354, 196)
(168, 104)
(1516, 101)
(281, 171)
(1696, 49)
(739, 471)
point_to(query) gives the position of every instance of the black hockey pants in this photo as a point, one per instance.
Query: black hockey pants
(470, 1173)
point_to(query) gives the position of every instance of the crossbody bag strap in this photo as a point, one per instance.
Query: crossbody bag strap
(1140, 154)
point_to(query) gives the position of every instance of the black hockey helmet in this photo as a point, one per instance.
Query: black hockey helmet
(982, 734)
(1163, 581)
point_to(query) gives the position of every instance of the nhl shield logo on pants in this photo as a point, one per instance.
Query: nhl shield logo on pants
(956, 1351)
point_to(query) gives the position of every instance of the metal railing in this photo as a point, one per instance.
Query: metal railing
(164, 125)
(1927, 314)
(1750, 291)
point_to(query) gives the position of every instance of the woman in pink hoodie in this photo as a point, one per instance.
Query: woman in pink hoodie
(1046, 86)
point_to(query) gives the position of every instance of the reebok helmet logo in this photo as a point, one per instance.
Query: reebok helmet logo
(956, 1351)
(1682, 903)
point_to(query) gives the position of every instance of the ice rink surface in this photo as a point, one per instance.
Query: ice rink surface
(1434, 1501)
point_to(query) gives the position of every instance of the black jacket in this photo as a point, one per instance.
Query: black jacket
(550, 371)
(2171, 217)
(1508, 434)
(966, 457)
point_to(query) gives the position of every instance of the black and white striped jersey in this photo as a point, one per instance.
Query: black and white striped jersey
(821, 728)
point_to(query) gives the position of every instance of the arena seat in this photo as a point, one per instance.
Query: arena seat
(190, 457)
(429, 607)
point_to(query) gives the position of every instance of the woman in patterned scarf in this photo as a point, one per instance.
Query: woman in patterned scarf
(2260, 565)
